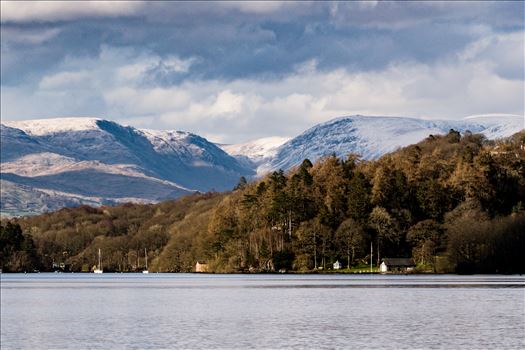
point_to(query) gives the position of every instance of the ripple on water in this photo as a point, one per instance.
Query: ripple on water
(76, 311)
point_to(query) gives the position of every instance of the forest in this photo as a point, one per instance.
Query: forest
(454, 203)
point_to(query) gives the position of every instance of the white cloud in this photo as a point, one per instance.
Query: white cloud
(113, 86)
(66, 80)
(504, 51)
(143, 101)
(51, 11)
(131, 73)
(227, 104)
(46, 11)
(258, 7)
(177, 64)
(28, 36)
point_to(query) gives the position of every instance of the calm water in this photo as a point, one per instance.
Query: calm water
(111, 311)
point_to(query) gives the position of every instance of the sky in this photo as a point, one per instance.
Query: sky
(237, 71)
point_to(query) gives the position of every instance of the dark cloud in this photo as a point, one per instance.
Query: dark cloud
(201, 65)
(236, 41)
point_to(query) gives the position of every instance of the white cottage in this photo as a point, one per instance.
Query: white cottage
(396, 265)
(337, 265)
(201, 266)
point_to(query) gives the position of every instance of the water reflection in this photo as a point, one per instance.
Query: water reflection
(261, 311)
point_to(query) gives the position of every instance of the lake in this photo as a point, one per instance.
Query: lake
(193, 311)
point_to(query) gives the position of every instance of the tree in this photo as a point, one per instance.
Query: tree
(311, 241)
(300, 194)
(425, 237)
(241, 184)
(18, 251)
(390, 187)
(453, 136)
(432, 199)
(381, 221)
(350, 237)
(358, 201)
(465, 226)
(330, 188)
(11, 236)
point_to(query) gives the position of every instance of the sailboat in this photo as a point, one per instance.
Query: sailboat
(99, 266)
(146, 255)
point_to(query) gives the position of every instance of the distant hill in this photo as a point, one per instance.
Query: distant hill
(48, 164)
(452, 203)
(370, 137)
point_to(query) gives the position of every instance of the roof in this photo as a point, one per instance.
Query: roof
(398, 261)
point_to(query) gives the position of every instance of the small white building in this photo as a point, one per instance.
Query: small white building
(337, 265)
(201, 266)
(399, 265)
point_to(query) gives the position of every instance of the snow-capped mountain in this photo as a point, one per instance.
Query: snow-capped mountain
(371, 137)
(51, 163)
(256, 154)
(95, 161)
(497, 125)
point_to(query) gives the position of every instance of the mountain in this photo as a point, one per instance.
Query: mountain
(49, 163)
(256, 154)
(371, 137)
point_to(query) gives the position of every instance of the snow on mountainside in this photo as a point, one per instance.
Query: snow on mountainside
(50, 163)
(39, 127)
(498, 125)
(192, 149)
(91, 160)
(260, 148)
(371, 137)
(256, 153)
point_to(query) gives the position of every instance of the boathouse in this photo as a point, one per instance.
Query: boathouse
(396, 265)
(201, 266)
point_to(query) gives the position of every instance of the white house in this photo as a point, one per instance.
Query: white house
(383, 268)
(396, 265)
(337, 265)
(201, 266)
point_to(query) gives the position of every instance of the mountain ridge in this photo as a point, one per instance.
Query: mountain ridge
(55, 162)
(88, 158)
(373, 136)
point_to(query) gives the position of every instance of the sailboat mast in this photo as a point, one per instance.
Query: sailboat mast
(146, 255)
(371, 255)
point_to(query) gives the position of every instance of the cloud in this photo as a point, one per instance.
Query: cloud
(240, 70)
(28, 36)
(259, 7)
(115, 85)
(50, 11)
(384, 14)
(54, 11)
(144, 101)
(505, 52)
(257, 40)
(65, 80)
(397, 15)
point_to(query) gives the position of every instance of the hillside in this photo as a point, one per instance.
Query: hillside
(93, 161)
(51, 163)
(371, 137)
(451, 202)
(258, 153)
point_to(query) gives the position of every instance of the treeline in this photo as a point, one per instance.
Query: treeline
(452, 202)
(69, 239)
(17, 251)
